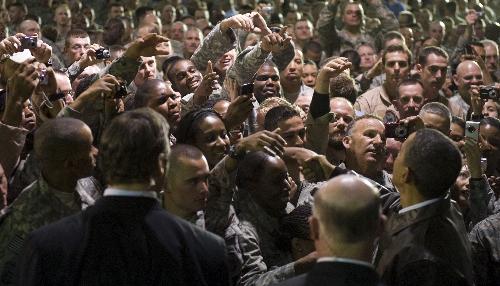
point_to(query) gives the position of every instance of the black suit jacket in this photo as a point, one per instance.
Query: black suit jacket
(426, 246)
(123, 241)
(335, 274)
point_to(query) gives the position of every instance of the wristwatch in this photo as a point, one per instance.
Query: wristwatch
(236, 154)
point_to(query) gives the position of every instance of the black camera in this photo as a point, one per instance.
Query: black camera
(246, 89)
(28, 42)
(121, 91)
(102, 54)
(488, 92)
(397, 130)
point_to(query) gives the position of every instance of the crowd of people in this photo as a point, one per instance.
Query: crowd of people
(295, 142)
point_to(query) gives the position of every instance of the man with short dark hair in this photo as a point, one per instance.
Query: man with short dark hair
(432, 65)
(291, 79)
(267, 82)
(64, 152)
(291, 127)
(410, 99)
(426, 243)
(396, 61)
(346, 221)
(94, 247)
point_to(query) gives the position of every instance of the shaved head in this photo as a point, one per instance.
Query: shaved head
(60, 138)
(348, 209)
(183, 151)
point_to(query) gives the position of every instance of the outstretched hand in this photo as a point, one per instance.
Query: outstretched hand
(147, 46)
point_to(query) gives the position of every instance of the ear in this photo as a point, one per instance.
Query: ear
(314, 228)
(381, 224)
(406, 175)
(455, 79)
(346, 141)
(419, 68)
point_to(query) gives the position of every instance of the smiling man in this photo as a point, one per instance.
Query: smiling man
(266, 82)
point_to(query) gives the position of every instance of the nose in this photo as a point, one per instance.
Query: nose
(378, 139)
(439, 74)
(396, 67)
(220, 141)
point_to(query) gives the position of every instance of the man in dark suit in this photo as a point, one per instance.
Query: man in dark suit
(126, 238)
(346, 220)
(426, 242)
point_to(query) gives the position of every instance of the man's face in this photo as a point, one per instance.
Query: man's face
(186, 78)
(457, 134)
(309, 74)
(437, 31)
(192, 41)
(64, 86)
(266, 83)
(116, 11)
(396, 68)
(201, 14)
(353, 15)
(302, 31)
(367, 143)
(77, 48)
(393, 147)
(368, 57)
(168, 14)
(30, 28)
(86, 155)
(16, 14)
(436, 121)
(408, 35)
(177, 32)
(293, 71)
(62, 16)
(433, 74)
(344, 114)
(293, 131)
(188, 184)
(273, 187)
(147, 70)
(468, 74)
(113, 32)
(226, 61)
(167, 102)
(460, 190)
(411, 99)
(491, 53)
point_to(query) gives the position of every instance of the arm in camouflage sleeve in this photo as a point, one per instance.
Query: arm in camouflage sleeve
(124, 68)
(221, 188)
(480, 195)
(283, 58)
(254, 270)
(215, 44)
(388, 20)
(327, 31)
(247, 63)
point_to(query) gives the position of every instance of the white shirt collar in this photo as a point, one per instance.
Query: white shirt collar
(419, 205)
(129, 193)
(344, 260)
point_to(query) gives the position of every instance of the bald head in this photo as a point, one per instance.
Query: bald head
(348, 209)
(183, 152)
(61, 138)
(29, 28)
(468, 73)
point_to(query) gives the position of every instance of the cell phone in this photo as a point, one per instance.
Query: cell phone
(28, 42)
(472, 130)
(397, 130)
(246, 89)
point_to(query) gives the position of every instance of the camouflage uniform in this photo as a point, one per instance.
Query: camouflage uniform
(334, 41)
(38, 205)
(265, 262)
(213, 47)
(485, 242)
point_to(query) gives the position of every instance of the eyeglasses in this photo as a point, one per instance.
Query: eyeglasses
(266, 77)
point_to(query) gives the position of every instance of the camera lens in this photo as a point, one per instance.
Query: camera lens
(471, 129)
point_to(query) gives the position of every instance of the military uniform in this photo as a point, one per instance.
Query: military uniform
(265, 262)
(334, 41)
(485, 242)
(213, 47)
(38, 205)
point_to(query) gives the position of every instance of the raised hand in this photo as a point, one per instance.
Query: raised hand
(267, 141)
(24, 81)
(260, 24)
(42, 52)
(147, 46)
(243, 22)
(332, 69)
(11, 45)
(207, 86)
(238, 111)
(473, 154)
(276, 42)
